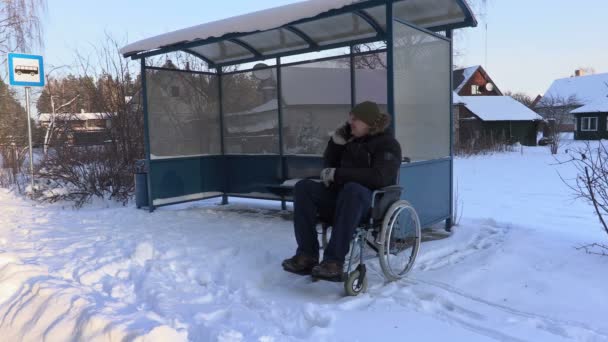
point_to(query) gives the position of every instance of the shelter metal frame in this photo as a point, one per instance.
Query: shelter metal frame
(382, 35)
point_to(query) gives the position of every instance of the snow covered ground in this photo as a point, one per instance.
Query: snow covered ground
(203, 272)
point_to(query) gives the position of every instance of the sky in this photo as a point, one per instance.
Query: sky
(529, 43)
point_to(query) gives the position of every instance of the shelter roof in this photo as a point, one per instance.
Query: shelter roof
(312, 25)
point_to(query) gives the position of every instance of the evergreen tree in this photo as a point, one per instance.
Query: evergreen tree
(13, 122)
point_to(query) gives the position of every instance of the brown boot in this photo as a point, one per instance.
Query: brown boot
(329, 270)
(300, 264)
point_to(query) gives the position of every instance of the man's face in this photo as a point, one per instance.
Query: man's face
(358, 128)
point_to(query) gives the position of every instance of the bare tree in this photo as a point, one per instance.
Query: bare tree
(556, 112)
(591, 184)
(20, 26)
(371, 60)
(474, 141)
(102, 170)
(523, 98)
(54, 91)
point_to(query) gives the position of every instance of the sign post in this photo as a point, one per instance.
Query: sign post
(26, 71)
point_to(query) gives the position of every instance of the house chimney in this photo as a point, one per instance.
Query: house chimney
(579, 72)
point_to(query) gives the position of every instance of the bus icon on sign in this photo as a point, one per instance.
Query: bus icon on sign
(26, 69)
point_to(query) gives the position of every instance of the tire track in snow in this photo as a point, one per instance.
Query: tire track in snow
(489, 235)
(474, 313)
(441, 305)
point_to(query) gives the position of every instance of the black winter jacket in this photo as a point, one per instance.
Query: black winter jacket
(372, 161)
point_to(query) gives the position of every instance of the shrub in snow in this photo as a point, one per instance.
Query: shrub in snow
(78, 173)
(474, 142)
(591, 184)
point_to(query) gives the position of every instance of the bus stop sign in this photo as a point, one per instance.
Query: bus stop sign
(25, 70)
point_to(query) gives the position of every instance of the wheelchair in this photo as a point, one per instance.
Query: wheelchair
(391, 229)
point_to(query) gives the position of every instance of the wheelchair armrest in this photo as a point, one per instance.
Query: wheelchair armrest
(387, 189)
(391, 188)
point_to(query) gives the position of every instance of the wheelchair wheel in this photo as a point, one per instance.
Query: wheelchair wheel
(353, 286)
(399, 240)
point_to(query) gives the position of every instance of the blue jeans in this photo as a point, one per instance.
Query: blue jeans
(344, 209)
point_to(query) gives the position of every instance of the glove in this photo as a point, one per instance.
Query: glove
(327, 175)
(342, 134)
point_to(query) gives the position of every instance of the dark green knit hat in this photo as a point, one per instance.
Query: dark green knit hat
(367, 111)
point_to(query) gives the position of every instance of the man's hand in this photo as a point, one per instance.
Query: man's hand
(327, 176)
(342, 134)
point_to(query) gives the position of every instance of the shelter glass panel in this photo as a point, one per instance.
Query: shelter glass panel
(184, 60)
(312, 56)
(316, 98)
(422, 93)
(428, 13)
(423, 13)
(370, 79)
(337, 29)
(223, 51)
(274, 41)
(183, 113)
(251, 115)
(253, 65)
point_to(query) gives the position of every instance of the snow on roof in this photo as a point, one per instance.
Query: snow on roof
(499, 108)
(269, 26)
(598, 105)
(251, 22)
(586, 89)
(462, 76)
(456, 99)
(45, 117)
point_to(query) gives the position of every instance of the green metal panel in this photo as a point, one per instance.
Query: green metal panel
(427, 187)
(176, 178)
(249, 174)
(299, 167)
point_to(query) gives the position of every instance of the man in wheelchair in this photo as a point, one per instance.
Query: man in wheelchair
(360, 157)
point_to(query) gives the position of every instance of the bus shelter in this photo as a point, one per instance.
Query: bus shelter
(277, 81)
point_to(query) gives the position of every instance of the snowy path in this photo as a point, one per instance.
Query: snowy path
(203, 272)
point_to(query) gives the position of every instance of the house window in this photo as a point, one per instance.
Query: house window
(475, 90)
(589, 124)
